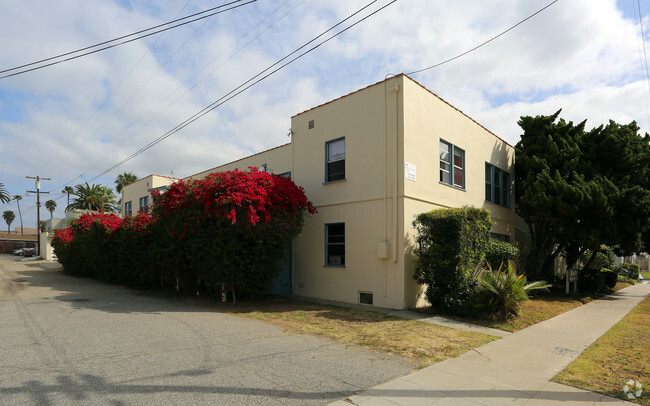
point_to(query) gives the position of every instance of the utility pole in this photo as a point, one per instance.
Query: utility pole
(38, 209)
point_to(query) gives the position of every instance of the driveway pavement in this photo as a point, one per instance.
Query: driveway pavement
(65, 340)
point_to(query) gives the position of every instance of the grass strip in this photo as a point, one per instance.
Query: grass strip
(423, 343)
(619, 356)
(537, 309)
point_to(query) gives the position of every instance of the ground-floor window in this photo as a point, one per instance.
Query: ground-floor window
(335, 244)
(500, 237)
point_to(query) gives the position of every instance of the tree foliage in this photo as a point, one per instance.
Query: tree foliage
(579, 189)
(18, 198)
(4, 195)
(124, 179)
(68, 190)
(50, 205)
(93, 197)
(9, 218)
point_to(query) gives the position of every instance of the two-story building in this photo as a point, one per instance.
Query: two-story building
(370, 162)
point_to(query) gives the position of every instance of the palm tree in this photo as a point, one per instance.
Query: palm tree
(51, 205)
(4, 195)
(9, 217)
(121, 181)
(69, 191)
(95, 197)
(124, 179)
(18, 198)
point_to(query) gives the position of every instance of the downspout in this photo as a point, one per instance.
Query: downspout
(394, 88)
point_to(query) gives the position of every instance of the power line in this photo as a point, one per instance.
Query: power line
(247, 85)
(486, 42)
(133, 133)
(196, 83)
(117, 39)
(113, 90)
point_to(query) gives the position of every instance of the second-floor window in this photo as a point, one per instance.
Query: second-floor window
(497, 185)
(128, 208)
(144, 204)
(452, 165)
(335, 157)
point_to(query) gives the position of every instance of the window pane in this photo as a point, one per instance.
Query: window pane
(335, 254)
(335, 150)
(444, 152)
(458, 157)
(488, 182)
(445, 176)
(497, 186)
(505, 189)
(336, 170)
(336, 229)
(458, 177)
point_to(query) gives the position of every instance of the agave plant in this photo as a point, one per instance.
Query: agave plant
(505, 288)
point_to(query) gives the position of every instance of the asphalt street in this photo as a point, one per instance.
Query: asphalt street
(66, 340)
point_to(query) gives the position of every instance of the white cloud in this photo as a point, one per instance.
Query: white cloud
(578, 55)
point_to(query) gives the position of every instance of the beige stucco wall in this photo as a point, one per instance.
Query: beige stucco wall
(279, 160)
(384, 126)
(141, 188)
(427, 120)
(363, 201)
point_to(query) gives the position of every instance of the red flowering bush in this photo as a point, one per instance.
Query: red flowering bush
(83, 248)
(228, 228)
(129, 250)
(231, 228)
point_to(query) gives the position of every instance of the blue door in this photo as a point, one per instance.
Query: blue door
(281, 285)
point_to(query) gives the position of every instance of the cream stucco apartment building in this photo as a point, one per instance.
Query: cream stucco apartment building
(370, 162)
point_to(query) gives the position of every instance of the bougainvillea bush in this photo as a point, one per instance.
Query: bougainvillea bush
(83, 247)
(229, 229)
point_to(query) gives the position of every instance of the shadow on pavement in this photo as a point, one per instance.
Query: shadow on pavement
(80, 387)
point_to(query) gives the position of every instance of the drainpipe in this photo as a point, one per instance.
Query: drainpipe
(394, 89)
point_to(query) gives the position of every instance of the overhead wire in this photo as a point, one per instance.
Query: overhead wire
(119, 43)
(113, 90)
(486, 42)
(253, 81)
(207, 74)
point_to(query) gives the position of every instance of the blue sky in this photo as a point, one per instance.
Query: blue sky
(72, 121)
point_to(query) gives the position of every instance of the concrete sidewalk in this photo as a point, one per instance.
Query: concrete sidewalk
(516, 369)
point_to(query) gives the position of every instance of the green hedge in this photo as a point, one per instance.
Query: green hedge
(500, 252)
(450, 246)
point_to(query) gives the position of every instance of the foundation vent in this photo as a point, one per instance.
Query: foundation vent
(365, 298)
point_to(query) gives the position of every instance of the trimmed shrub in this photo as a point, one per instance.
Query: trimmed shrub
(450, 246)
(500, 252)
(591, 280)
(610, 278)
